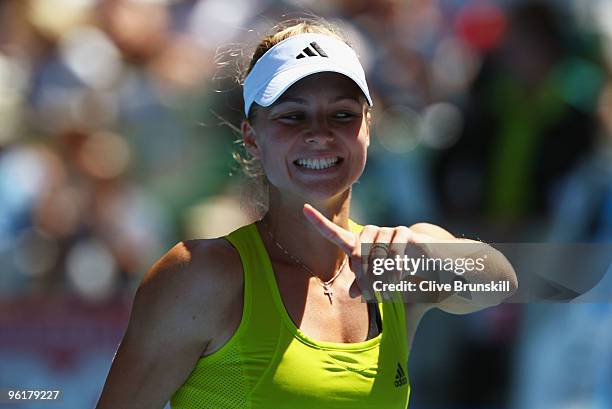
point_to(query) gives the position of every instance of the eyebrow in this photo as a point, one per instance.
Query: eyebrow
(303, 101)
(291, 99)
(342, 97)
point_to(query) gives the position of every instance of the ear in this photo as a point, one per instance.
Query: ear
(368, 122)
(250, 139)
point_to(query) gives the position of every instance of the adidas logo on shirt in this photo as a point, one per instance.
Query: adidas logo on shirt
(313, 50)
(400, 377)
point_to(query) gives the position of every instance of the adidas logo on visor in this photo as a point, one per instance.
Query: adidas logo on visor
(314, 50)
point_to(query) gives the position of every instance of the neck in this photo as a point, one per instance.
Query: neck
(298, 237)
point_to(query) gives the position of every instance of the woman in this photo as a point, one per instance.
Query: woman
(270, 316)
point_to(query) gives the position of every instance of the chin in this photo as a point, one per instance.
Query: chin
(318, 188)
(324, 192)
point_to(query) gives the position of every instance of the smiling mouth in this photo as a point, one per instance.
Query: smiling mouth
(318, 163)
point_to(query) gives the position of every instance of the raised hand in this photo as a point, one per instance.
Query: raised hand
(387, 242)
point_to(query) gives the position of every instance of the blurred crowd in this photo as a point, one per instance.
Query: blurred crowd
(491, 118)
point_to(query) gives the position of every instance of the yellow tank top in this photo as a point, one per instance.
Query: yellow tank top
(269, 363)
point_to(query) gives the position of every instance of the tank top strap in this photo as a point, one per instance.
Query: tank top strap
(259, 310)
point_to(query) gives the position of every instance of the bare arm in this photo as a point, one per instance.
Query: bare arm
(497, 268)
(176, 312)
(433, 241)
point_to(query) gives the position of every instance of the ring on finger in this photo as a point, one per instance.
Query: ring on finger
(384, 246)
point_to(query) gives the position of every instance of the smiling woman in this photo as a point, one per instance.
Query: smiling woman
(271, 315)
(327, 112)
(288, 108)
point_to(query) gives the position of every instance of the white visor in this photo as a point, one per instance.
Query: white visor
(295, 58)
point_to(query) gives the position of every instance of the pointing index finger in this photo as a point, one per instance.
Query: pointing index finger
(331, 231)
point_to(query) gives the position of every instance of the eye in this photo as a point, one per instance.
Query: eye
(344, 115)
(292, 116)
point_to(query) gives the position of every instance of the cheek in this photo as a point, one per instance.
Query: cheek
(361, 148)
(359, 155)
(271, 159)
(362, 159)
(274, 154)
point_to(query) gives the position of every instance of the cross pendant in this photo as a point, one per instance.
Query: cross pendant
(328, 292)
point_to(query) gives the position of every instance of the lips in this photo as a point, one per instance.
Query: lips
(318, 163)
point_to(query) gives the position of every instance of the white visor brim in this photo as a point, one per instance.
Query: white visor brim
(280, 67)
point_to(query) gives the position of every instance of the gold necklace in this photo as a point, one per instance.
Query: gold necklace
(326, 284)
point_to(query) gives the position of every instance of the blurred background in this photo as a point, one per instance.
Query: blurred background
(492, 119)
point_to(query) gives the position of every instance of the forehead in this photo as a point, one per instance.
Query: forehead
(324, 84)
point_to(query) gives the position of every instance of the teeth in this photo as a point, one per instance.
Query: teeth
(317, 163)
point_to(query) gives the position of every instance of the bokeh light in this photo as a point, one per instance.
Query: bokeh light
(36, 252)
(104, 155)
(91, 56)
(441, 125)
(91, 269)
(398, 129)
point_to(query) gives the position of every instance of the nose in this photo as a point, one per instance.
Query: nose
(319, 131)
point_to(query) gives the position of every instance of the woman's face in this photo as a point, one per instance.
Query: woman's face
(313, 140)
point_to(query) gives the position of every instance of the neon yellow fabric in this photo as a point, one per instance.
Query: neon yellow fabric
(269, 363)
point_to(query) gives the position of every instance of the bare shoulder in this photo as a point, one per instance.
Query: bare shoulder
(185, 297)
(178, 309)
(191, 266)
(192, 277)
